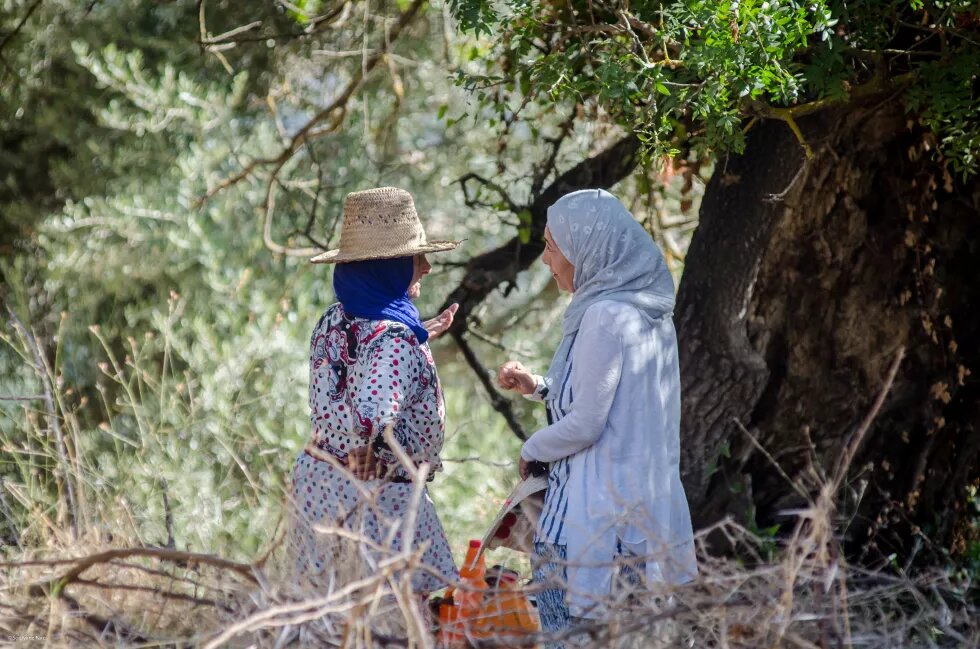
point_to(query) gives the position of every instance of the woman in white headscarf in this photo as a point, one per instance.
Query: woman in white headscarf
(613, 397)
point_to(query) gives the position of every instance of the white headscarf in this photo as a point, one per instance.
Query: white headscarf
(614, 259)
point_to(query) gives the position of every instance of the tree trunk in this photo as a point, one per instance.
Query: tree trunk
(804, 278)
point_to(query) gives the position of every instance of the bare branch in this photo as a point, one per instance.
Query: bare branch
(497, 267)
(473, 201)
(847, 456)
(335, 112)
(20, 25)
(549, 166)
(497, 400)
(316, 24)
(81, 564)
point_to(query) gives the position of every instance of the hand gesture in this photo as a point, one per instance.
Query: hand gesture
(439, 324)
(515, 377)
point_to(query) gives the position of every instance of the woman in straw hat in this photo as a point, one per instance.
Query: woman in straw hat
(614, 494)
(371, 369)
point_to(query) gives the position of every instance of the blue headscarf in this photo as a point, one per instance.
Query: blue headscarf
(377, 289)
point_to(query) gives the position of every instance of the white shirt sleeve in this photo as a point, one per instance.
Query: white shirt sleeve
(541, 387)
(597, 362)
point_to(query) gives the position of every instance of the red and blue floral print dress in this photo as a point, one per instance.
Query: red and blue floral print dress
(365, 374)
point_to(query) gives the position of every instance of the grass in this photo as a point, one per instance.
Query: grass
(149, 511)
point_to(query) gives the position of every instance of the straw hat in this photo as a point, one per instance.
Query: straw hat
(380, 224)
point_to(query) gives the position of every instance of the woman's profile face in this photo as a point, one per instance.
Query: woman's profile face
(421, 268)
(561, 268)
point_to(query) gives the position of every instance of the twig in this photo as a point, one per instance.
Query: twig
(54, 424)
(81, 564)
(154, 572)
(499, 403)
(847, 456)
(563, 130)
(471, 201)
(20, 25)
(493, 342)
(8, 513)
(230, 39)
(168, 515)
(103, 625)
(755, 442)
(313, 608)
(309, 131)
(156, 591)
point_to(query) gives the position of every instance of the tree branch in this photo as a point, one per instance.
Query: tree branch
(336, 110)
(471, 201)
(81, 564)
(542, 174)
(20, 25)
(500, 403)
(487, 272)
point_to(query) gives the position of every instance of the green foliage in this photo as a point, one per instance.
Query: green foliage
(688, 74)
(178, 338)
(947, 102)
(970, 555)
(477, 16)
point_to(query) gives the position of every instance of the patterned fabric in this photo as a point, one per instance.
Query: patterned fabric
(614, 259)
(551, 525)
(549, 565)
(363, 375)
(327, 496)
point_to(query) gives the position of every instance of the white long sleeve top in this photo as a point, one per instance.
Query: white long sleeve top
(617, 440)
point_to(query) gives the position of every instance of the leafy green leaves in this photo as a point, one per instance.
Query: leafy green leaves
(948, 102)
(710, 65)
(477, 16)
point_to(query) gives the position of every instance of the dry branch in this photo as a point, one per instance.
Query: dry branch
(487, 272)
(334, 112)
(81, 564)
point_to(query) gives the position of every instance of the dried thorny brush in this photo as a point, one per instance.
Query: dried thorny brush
(805, 596)
(65, 580)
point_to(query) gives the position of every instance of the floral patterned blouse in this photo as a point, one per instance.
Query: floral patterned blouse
(365, 374)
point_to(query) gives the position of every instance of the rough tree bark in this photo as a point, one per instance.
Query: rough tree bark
(802, 280)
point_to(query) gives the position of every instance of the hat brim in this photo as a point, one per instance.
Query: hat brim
(338, 257)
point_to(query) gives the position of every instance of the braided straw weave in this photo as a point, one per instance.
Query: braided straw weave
(380, 224)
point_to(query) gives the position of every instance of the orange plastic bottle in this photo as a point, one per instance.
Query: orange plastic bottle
(449, 636)
(507, 612)
(473, 586)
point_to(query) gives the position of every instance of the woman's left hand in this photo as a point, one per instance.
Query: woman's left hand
(439, 324)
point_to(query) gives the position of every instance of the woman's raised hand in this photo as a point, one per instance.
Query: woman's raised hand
(439, 324)
(515, 377)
